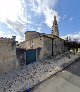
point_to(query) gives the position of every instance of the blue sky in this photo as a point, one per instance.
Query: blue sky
(18, 16)
(70, 10)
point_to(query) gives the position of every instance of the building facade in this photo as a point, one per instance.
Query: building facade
(49, 44)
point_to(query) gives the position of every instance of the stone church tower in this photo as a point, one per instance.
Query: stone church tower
(55, 30)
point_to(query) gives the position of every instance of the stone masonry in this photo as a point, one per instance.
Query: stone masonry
(8, 59)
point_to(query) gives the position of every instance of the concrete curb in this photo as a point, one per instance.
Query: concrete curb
(60, 69)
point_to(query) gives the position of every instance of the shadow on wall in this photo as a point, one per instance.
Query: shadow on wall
(38, 50)
(20, 53)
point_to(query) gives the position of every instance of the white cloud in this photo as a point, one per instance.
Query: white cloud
(49, 16)
(71, 18)
(67, 17)
(45, 7)
(16, 26)
(15, 14)
(39, 29)
(9, 34)
(6, 34)
(73, 36)
(12, 13)
(64, 17)
(2, 33)
(11, 9)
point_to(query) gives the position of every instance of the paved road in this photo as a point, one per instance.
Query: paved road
(66, 81)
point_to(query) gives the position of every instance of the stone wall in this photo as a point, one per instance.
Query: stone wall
(58, 46)
(47, 47)
(31, 34)
(32, 43)
(8, 59)
(45, 43)
(35, 43)
(21, 56)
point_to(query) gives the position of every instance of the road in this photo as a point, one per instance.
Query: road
(66, 81)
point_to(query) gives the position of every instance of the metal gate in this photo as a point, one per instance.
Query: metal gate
(30, 56)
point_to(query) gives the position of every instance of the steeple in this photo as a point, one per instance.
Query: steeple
(55, 30)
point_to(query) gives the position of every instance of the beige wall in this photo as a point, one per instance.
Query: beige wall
(45, 43)
(47, 47)
(7, 55)
(31, 34)
(23, 44)
(32, 43)
(58, 46)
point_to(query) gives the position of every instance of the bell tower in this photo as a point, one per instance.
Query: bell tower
(55, 30)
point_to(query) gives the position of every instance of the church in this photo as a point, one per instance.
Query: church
(44, 45)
